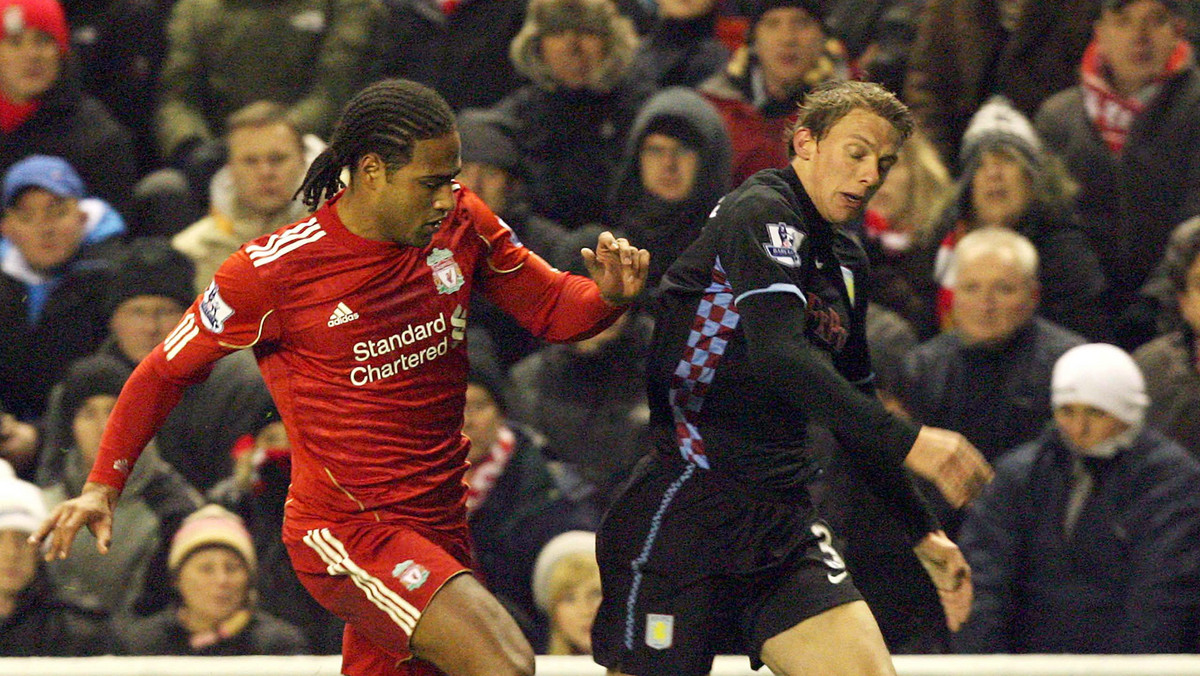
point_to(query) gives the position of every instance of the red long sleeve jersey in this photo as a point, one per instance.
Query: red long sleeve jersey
(362, 345)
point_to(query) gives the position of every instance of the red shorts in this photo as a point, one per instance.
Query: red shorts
(379, 578)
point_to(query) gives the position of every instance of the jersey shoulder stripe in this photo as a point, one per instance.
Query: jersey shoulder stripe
(284, 242)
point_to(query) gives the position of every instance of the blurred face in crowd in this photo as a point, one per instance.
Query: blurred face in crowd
(29, 63)
(214, 583)
(1001, 188)
(892, 199)
(574, 611)
(1189, 299)
(488, 181)
(573, 57)
(684, 9)
(18, 562)
(88, 424)
(142, 322)
(1086, 426)
(1135, 41)
(842, 171)
(993, 297)
(267, 163)
(482, 419)
(788, 41)
(668, 167)
(45, 228)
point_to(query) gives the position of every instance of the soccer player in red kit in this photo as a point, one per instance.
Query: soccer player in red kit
(357, 316)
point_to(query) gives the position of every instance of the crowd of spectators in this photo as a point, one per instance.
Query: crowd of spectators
(1048, 202)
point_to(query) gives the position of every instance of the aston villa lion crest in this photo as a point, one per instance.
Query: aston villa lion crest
(446, 274)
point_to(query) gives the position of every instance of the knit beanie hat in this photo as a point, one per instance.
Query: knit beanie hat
(559, 547)
(22, 507)
(484, 141)
(209, 526)
(998, 125)
(45, 15)
(1103, 376)
(151, 267)
(89, 377)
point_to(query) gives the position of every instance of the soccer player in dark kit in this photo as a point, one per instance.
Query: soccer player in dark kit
(713, 546)
(357, 316)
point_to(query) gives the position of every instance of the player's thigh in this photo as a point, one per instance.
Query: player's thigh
(841, 641)
(465, 630)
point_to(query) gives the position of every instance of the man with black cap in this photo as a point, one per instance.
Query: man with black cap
(1127, 133)
(788, 53)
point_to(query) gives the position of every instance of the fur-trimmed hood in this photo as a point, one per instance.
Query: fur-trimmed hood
(599, 17)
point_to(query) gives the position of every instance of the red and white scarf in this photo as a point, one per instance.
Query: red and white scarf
(1111, 112)
(482, 476)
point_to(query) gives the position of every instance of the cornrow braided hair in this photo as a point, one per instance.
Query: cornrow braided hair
(388, 118)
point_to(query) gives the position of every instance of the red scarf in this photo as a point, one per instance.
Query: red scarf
(482, 476)
(1112, 113)
(941, 272)
(13, 115)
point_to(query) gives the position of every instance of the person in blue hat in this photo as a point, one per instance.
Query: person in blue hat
(55, 265)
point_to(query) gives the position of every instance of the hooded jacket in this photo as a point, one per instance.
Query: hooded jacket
(667, 228)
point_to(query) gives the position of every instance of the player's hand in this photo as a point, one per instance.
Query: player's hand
(950, 461)
(617, 267)
(944, 563)
(93, 508)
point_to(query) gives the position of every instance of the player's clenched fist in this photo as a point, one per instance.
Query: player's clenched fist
(948, 460)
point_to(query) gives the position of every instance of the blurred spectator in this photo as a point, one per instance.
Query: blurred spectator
(55, 269)
(682, 49)
(1126, 133)
(1010, 181)
(43, 109)
(253, 194)
(878, 36)
(215, 65)
(788, 53)
(594, 416)
(566, 586)
(571, 122)
(257, 491)
(989, 377)
(516, 500)
(151, 289)
(493, 169)
(900, 215)
(119, 46)
(460, 48)
(674, 169)
(1170, 361)
(212, 567)
(1088, 539)
(157, 499)
(966, 51)
(35, 621)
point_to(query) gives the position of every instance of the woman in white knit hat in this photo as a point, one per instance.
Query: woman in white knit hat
(1088, 540)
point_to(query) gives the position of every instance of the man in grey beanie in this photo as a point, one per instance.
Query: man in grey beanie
(1088, 540)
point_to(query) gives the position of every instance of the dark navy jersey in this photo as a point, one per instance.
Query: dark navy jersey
(766, 256)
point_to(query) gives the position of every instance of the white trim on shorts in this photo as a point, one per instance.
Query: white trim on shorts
(334, 554)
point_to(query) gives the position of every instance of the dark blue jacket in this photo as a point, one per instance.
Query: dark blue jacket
(1126, 581)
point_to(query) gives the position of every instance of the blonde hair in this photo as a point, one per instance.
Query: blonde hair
(570, 571)
(929, 184)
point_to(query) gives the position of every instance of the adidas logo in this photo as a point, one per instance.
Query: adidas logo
(341, 315)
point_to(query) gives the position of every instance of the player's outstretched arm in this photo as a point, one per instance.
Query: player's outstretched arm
(951, 575)
(93, 508)
(951, 462)
(617, 267)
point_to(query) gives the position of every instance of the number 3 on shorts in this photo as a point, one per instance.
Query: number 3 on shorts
(829, 555)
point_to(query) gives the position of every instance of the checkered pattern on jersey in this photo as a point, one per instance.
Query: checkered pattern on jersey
(713, 327)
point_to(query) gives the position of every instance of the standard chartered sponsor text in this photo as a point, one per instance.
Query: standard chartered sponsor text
(364, 350)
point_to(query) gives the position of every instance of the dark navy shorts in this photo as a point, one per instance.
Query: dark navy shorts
(694, 565)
